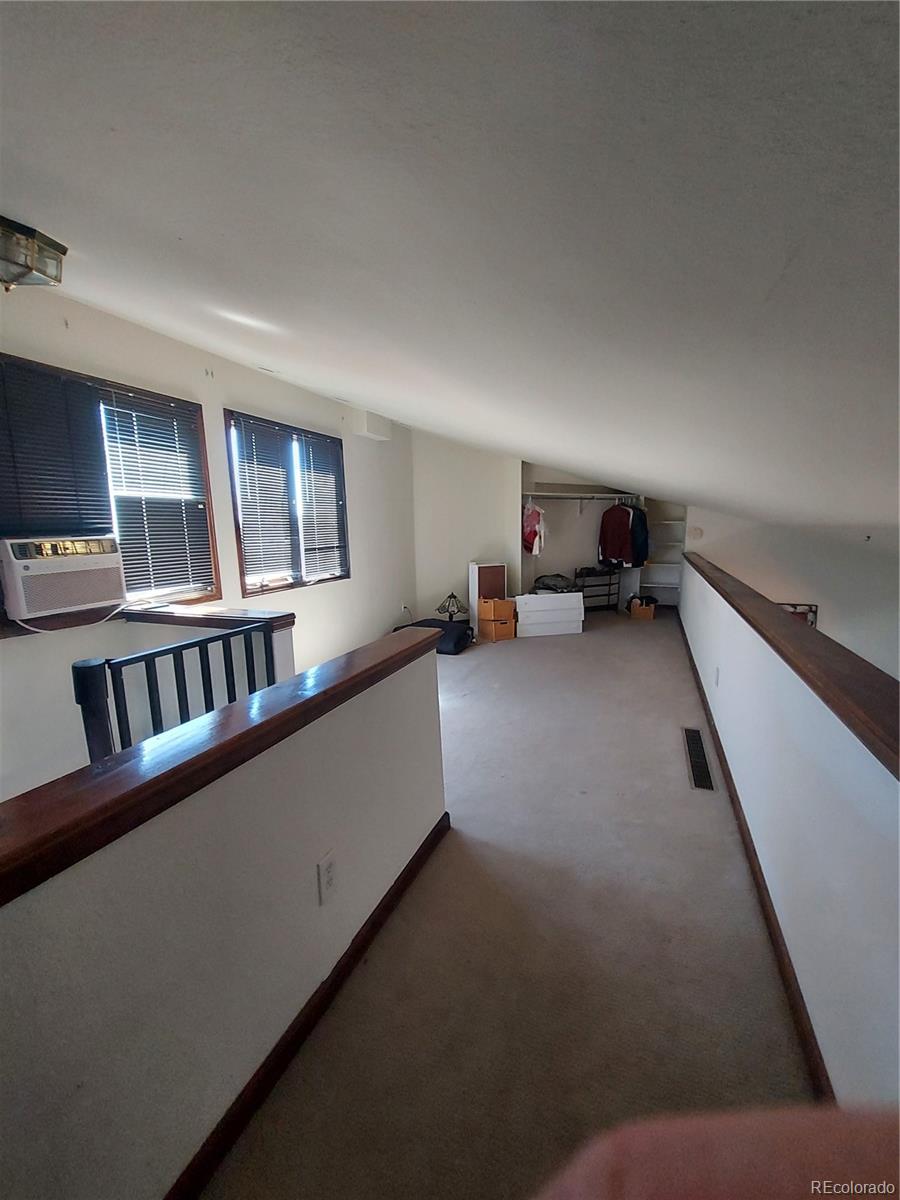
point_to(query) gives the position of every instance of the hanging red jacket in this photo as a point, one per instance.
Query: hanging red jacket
(615, 535)
(532, 529)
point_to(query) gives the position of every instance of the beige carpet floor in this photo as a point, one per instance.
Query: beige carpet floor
(585, 946)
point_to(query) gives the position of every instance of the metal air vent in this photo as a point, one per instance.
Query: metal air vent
(698, 764)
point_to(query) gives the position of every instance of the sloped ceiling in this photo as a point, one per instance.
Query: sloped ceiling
(649, 242)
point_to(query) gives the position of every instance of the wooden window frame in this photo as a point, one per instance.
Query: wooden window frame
(249, 592)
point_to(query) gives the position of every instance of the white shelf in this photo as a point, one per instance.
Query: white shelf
(580, 496)
(665, 568)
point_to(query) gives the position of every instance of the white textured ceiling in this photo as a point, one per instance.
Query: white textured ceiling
(650, 242)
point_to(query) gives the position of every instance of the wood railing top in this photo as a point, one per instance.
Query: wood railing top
(201, 617)
(49, 828)
(860, 694)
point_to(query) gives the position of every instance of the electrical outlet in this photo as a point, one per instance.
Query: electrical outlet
(326, 877)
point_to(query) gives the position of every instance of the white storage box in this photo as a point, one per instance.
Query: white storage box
(547, 628)
(545, 616)
(550, 613)
(570, 603)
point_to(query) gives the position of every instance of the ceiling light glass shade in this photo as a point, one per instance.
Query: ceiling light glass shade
(28, 257)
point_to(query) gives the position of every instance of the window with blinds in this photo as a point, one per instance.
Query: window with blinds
(289, 503)
(52, 465)
(157, 477)
(82, 457)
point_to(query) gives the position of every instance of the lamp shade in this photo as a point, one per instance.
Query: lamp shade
(451, 605)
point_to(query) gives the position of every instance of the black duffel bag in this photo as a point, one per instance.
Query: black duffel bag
(553, 583)
(454, 638)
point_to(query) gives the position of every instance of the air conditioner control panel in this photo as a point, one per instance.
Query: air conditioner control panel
(63, 548)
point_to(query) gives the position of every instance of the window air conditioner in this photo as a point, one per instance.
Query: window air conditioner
(59, 575)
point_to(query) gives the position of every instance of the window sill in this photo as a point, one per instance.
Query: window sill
(95, 616)
(162, 601)
(73, 620)
(222, 618)
(248, 592)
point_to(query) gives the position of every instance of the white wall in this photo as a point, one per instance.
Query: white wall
(851, 572)
(535, 473)
(40, 731)
(142, 987)
(824, 819)
(468, 507)
(41, 734)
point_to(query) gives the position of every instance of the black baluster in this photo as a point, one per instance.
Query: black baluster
(184, 708)
(228, 663)
(153, 695)
(250, 660)
(270, 655)
(206, 678)
(121, 703)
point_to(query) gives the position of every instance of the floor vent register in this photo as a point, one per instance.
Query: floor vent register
(698, 764)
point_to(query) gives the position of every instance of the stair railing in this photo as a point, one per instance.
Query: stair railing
(93, 677)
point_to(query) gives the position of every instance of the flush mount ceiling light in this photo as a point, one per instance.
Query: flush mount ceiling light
(28, 256)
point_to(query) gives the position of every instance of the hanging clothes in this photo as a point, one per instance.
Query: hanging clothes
(533, 529)
(615, 535)
(640, 540)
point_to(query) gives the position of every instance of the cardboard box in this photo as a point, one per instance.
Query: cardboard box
(496, 631)
(641, 612)
(496, 610)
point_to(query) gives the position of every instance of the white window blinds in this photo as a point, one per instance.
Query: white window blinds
(158, 483)
(290, 504)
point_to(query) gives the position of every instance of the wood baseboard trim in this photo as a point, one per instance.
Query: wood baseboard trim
(197, 1174)
(815, 1063)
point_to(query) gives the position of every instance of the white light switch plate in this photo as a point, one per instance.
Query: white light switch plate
(326, 877)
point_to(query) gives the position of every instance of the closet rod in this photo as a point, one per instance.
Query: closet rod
(580, 496)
